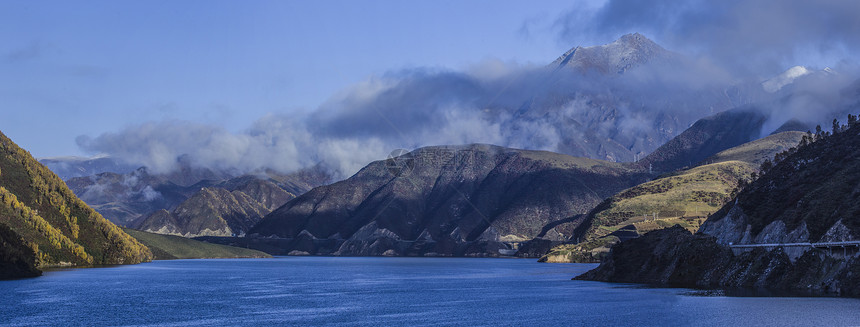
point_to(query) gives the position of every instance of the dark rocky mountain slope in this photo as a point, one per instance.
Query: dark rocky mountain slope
(463, 200)
(809, 195)
(219, 211)
(706, 137)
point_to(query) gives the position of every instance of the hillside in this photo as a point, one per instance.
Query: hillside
(60, 228)
(125, 199)
(684, 198)
(215, 211)
(17, 259)
(812, 192)
(706, 137)
(466, 200)
(166, 247)
(810, 195)
(122, 198)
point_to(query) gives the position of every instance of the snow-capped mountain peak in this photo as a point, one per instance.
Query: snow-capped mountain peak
(629, 51)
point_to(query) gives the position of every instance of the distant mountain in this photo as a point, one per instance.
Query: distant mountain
(705, 138)
(471, 200)
(810, 195)
(58, 228)
(70, 167)
(122, 198)
(126, 198)
(579, 105)
(621, 109)
(225, 210)
(685, 197)
(629, 51)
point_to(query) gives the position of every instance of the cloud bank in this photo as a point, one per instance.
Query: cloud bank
(729, 48)
(748, 36)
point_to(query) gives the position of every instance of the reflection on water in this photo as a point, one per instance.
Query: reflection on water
(372, 291)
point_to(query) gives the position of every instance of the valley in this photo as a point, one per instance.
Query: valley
(430, 163)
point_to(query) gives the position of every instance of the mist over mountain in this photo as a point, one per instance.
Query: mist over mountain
(615, 102)
(124, 198)
(70, 167)
(750, 38)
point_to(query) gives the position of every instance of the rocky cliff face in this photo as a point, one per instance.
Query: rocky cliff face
(810, 195)
(676, 257)
(465, 200)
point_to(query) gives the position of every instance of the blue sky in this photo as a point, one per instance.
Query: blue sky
(124, 68)
(85, 68)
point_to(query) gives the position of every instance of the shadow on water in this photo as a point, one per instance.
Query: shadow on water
(757, 292)
(752, 292)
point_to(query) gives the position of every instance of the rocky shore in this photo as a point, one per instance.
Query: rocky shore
(675, 257)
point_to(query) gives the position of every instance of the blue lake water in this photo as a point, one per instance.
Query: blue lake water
(376, 291)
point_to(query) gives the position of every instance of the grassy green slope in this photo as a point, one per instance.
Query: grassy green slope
(59, 227)
(757, 151)
(166, 247)
(685, 198)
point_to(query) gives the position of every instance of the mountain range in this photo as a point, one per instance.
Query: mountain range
(128, 199)
(454, 200)
(484, 200)
(602, 122)
(218, 211)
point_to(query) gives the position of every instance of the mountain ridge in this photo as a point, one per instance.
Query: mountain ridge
(60, 229)
(448, 204)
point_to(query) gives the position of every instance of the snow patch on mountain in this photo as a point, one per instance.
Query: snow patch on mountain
(785, 78)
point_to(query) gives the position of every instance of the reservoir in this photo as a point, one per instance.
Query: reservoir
(352, 291)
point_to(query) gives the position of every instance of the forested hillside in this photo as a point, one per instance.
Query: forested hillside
(60, 229)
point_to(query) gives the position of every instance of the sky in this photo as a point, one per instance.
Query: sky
(72, 68)
(288, 84)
